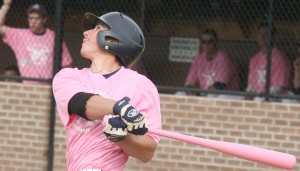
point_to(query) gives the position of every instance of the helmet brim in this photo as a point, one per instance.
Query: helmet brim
(89, 21)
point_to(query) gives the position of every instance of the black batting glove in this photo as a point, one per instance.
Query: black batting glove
(135, 121)
(115, 129)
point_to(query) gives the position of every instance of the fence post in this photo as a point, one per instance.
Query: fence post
(269, 50)
(56, 67)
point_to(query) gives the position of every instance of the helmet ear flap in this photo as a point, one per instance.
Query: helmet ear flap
(101, 41)
(109, 46)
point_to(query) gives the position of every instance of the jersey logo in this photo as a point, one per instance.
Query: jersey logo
(38, 55)
(82, 125)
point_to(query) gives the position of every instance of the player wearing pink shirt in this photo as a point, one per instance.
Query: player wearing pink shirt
(280, 71)
(296, 64)
(213, 69)
(107, 108)
(34, 46)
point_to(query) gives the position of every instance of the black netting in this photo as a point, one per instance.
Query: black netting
(173, 30)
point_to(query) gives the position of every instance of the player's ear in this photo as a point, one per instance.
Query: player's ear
(110, 39)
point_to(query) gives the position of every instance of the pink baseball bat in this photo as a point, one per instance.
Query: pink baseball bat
(260, 155)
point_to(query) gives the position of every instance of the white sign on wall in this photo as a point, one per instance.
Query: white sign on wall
(183, 49)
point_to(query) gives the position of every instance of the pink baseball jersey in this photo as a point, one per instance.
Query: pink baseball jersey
(280, 75)
(87, 146)
(35, 53)
(221, 69)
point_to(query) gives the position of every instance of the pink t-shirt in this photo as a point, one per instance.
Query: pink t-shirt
(35, 53)
(280, 71)
(87, 146)
(221, 69)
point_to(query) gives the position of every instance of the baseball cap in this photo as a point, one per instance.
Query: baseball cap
(39, 8)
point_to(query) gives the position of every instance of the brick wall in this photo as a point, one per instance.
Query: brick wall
(24, 131)
(24, 116)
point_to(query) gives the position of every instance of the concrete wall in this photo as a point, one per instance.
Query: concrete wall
(24, 120)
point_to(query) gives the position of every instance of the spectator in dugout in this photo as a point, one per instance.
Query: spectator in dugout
(296, 78)
(33, 46)
(280, 69)
(213, 68)
(296, 64)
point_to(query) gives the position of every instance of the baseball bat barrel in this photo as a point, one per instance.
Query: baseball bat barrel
(251, 153)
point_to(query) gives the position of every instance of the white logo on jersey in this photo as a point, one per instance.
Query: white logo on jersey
(261, 74)
(82, 125)
(209, 78)
(38, 55)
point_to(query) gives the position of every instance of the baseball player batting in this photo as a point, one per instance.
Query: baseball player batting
(107, 108)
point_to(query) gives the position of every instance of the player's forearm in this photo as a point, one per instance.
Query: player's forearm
(98, 106)
(141, 147)
(3, 12)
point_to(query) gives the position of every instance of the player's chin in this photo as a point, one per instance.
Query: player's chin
(84, 53)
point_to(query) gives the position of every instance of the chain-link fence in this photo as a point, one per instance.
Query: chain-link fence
(173, 31)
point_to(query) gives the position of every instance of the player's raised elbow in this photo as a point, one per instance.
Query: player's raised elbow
(144, 155)
(147, 157)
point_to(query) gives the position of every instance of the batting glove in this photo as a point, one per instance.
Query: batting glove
(115, 129)
(135, 121)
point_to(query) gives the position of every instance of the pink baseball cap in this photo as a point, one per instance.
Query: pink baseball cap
(39, 8)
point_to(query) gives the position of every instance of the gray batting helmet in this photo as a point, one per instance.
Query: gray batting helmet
(131, 41)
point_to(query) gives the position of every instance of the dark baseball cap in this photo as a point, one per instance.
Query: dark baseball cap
(39, 8)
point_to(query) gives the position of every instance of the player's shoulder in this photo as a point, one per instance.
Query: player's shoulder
(276, 49)
(135, 75)
(138, 79)
(223, 53)
(16, 30)
(67, 72)
(49, 31)
(278, 52)
(199, 57)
